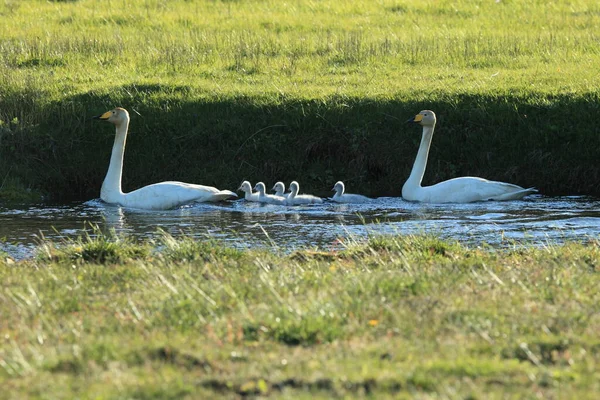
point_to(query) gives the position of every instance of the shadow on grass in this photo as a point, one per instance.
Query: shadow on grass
(182, 133)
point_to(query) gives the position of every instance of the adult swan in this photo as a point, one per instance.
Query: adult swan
(158, 196)
(465, 189)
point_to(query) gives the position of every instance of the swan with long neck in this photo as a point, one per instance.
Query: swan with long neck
(158, 196)
(246, 187)
(267, 198)
(341, 197)
(294, 198)
(464, 189)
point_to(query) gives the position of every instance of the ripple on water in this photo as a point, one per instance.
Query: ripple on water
(244, 224)
(487, 216)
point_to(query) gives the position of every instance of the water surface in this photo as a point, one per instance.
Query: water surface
(537, 220)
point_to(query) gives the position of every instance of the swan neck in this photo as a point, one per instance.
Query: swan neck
(111, 186)
(418, 170)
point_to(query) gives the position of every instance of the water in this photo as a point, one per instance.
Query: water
(536, 220)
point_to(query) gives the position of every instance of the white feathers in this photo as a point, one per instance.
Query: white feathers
(295, 199)
(465, 189)
(158, 196)
(267, 198)
(246, 187)
(279, 189)
(170, 194)
(341, 197)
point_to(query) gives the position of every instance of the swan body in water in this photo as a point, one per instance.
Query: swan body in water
(341, 197)
(279, 189)
(464, 189)
(267, 198)
(158, 196)
(294, 198)
(246, 187)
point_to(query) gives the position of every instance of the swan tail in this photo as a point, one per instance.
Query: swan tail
(224, 195)
(517, 195)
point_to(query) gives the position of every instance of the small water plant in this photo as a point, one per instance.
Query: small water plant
(93, 246)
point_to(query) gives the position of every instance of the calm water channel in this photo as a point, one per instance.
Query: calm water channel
(536, 220)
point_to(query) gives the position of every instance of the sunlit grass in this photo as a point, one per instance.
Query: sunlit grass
(303, 49)
(95, 246)
(275, 88)
(391, 316)
(263, 81)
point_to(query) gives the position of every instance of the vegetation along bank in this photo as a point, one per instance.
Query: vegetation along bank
(317, 92)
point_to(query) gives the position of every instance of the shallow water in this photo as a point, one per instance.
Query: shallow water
(536, 220)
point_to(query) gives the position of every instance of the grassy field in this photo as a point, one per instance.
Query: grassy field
(317, 91)
(396, 316)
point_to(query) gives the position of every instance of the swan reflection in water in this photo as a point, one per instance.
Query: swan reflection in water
(244, 223)
(539, 219)
(185, 220)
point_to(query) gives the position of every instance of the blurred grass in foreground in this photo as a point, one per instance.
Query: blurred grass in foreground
(393, 316)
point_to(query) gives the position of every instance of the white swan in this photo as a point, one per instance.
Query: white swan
(341, 197)
(246, 187)
(267, 198)
(465, 189)
(158, 196)
(279, 189)
(294, 198)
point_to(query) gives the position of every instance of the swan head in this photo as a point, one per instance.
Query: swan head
(260, 187)
(294, 187)
(245, 187)
(338, 187)
(424, 118)
(117, 116)
(279, 187)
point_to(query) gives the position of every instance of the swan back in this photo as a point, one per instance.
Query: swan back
(172, 194)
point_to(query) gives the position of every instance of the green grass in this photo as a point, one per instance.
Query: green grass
(220, 91)
(396, 316)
